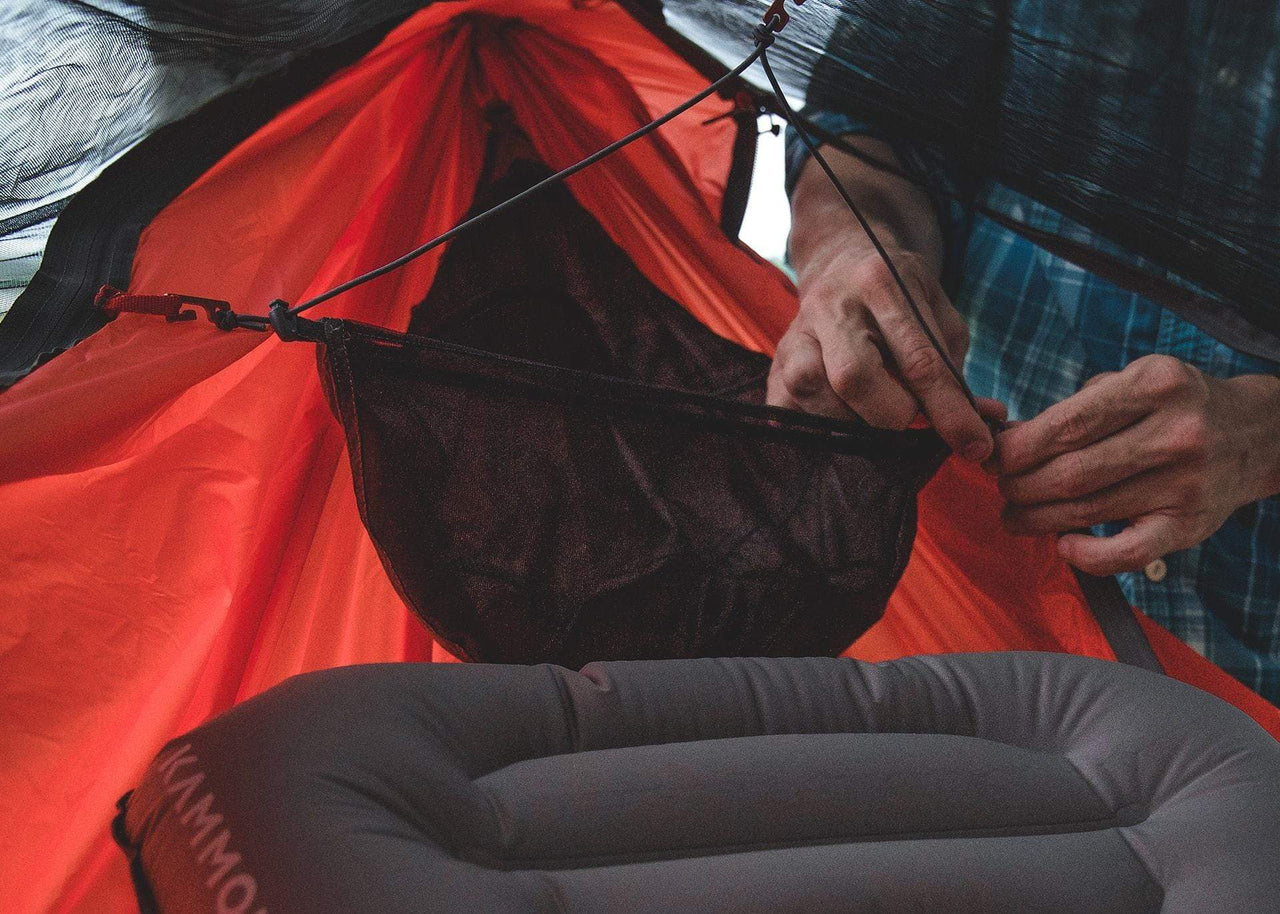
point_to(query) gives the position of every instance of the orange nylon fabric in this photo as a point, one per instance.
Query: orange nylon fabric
(179, 521)
(176, 507)
(970, 586)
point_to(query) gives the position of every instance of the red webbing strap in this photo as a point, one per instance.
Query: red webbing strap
(168, 305)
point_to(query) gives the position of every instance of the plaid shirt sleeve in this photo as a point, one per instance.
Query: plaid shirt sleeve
(1040, 328)
(945, 183)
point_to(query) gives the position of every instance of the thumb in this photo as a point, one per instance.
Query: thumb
(1132, 549)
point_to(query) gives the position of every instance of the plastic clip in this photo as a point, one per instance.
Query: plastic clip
(168, 305)
(776, 16)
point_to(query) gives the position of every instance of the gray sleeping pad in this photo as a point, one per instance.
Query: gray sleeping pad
(987, 782)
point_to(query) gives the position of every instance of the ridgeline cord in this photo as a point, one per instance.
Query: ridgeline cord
(284, 320)
(556, 178)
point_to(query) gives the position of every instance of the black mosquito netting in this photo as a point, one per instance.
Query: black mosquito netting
(561, 464)
(1153, 122)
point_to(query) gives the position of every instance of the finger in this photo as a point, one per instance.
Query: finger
(953, 329)
(992, 409)
(1095, 412)
(996, 415)
(1098, 466)
(1100, 376)
(1132, 498)
(992, 464)
(855, 370)
(1133, 548)
(798, 379)
(941, 317)
(926, 375)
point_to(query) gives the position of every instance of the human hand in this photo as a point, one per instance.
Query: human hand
(856, 348)
(1160, 445)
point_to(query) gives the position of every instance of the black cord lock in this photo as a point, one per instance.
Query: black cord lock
(290, 327)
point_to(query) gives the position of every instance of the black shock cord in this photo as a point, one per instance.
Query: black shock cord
(818, 157)
(545, 182)
(284, 318)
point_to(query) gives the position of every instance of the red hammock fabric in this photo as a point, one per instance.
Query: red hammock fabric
(176, 506)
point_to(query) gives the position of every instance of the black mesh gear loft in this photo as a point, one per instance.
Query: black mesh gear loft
(635, 498)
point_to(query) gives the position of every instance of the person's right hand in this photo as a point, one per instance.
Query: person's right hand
(855, 347)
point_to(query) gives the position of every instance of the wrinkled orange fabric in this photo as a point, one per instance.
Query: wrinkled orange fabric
(177, 517)
(970, 586)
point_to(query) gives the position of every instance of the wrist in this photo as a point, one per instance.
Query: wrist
(824, 230)
(1257, 420)
(843, 250)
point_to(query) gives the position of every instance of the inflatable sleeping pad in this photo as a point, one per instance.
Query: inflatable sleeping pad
(984, 782)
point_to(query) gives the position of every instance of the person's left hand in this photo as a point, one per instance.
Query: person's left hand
(1161, 445)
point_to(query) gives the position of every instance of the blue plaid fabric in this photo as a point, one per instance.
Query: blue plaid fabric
(1041, 327)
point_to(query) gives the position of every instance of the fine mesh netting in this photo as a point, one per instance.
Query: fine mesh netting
(1152, 122)
(574, 468)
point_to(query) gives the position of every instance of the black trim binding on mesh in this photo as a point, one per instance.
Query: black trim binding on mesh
(472, 366)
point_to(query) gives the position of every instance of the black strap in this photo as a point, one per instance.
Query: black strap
(1116, 618)
(141, 886)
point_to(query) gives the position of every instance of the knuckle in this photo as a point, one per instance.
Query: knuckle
(1075, 474)
(1164, 375)
(1195, 492)
(800, 379)
(1072, 427)
(828, 294)
(1189, 437)
(921, 365)
(849, 379)
(873, 280)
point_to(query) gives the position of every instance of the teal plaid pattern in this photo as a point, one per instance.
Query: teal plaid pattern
(1042, 326)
